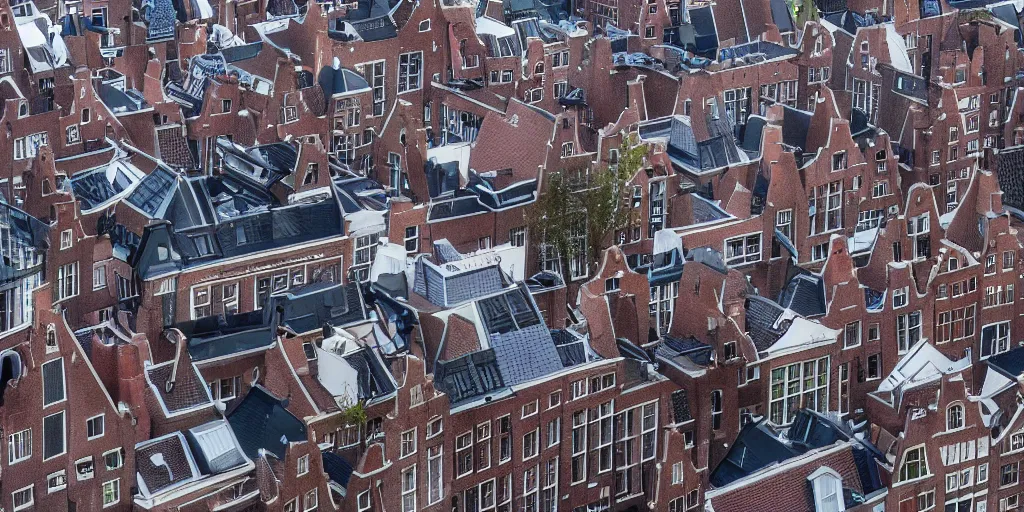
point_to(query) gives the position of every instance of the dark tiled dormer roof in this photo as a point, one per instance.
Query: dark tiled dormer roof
(762, 314)
(681, 406)
(189, 390)
(261, 421)
(805, 295)
(164, 463)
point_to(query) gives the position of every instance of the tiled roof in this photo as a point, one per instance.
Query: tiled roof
(164, 463)
(174, 148)
(189, 390)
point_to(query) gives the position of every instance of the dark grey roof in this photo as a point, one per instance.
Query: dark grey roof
(705, 33)
(121, 101)
(910, 85)
(762, 314)
(804, 294)
(308, 308)
(755, 52)
(93, 188)
(1010, 364)
(221, 345)
(373, 377)
(469, 376)
(161, 21)
(756, 447)
(175, 468)
(261, 421)
(25, 237)
(782, 16)
(457, 207)
(1011, 176)
(686, 152)
(337, 468)
(795, 124)
(691, 348)
(241, 52)
(340, 81)
(681, 406)
(152, 192)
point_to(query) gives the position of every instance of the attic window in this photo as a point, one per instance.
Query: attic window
(312, 174)
(162, 253)
(828, 490)
(611, 284)
(539, 68)
(86, 115)
(225, 106)
(424, 26)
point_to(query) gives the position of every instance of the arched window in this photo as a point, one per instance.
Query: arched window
(539, 68)
(51, 337)
(955, 416)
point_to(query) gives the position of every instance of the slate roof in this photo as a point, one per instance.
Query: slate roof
(1011, 176)
(374, 379)
(337, 468)
(309, 307)
(176, 467)
(339, 80)
(1010, 364)
(762, 314)
(189, 389)
(691, 348)
(261, 420)
(226, 344)
(161, 20)
(174, 149)
(686, 152)
(804, 294)
(681, 406)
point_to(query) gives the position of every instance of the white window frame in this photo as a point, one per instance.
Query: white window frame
(102, 423)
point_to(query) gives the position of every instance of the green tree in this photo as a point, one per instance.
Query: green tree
(593, 206)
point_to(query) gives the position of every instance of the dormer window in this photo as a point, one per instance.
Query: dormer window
(955, 416)
(828, 490)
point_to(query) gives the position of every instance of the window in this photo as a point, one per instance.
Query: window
(27, 147)
(5, 61)
(716, 409)
(839, 161)
(827, 489)
(23, 498)
(915, 464)
(1008, 475)
(1008, 503)
(530, 444)
(54, 390)
(1008, 260)
(226, 389)
(66, 240)
(554, 431)
(365, 251)
(99, 276)
(94, 427)
(560, 89)
(464, 454)
(880, 189)
(874, 367)
(982, 473)
(918, 229)
(799, 385)
(851, 337)
(530, 409)
(435, 483)
(899, 297)
(578, 465)
(302, 465)
(434, 427)
(113, 459)
(111, 492)
(743, 249)
(567, 149)
(677, 473)
(908, 330)
(423, 27)
(408, 446)
(412, 239)
(990, 264)
(955, 416)
(312, 500)
(560, 58)
(57, 481)
(67, 281)
(409, 489)
(54, 442)
(504, 439)
(292, 506)
(410, 71)
(995, 339)
(19, 446)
